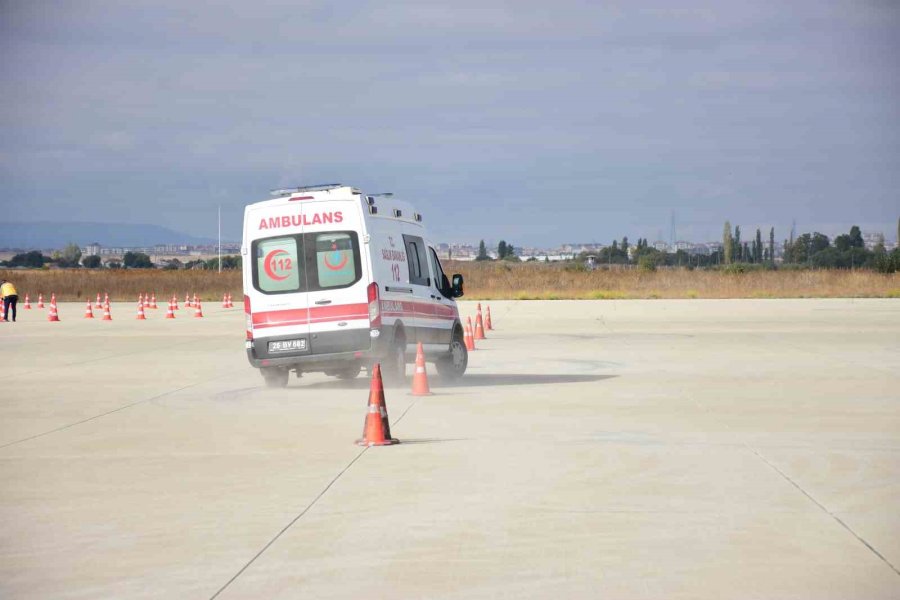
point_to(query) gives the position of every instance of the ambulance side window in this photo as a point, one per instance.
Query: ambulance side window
(276, 267)
(418, 263)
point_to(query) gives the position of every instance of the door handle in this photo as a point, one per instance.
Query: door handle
(323, 301)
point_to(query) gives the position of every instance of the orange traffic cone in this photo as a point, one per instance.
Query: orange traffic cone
(53, 315)
(140, 313)
(27, 305)
(487, 320)
(88, 313)
(199, 312)
(187, 301)
(99, 305)
(170, 314)
(479, 327)
(106, 315)
(175, 302)
(420, 378)
(153, 301)
(41, 300)
(195, 302)
(106, 299)
(230, 300)
(225, 300)
(467, 336)
(377, 429)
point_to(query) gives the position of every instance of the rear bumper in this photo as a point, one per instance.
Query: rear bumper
(326, 351)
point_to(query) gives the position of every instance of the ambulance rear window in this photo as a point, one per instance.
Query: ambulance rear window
(335, 260)
(277, 267)
(306, 263)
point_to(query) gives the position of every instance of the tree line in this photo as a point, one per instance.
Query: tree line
(71, 257)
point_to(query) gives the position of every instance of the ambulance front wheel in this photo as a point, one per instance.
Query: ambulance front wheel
(453, 366)
(393, 367)
(275, 377)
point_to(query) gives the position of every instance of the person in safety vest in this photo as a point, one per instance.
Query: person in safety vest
(10, 297)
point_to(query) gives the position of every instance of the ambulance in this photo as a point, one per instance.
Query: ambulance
(336, 280)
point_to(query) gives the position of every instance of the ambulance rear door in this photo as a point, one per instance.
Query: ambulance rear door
(279, 299)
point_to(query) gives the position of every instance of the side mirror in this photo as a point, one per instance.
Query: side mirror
(457, 289)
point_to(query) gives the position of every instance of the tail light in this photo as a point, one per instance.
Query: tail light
(249, 318)
(374, 306)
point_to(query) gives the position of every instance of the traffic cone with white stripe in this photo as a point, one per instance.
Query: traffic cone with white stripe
(187, 301)
(40, 300)
(487, 320)
(153, 301)
(106, 314)
(377, 429)
(199, 312)
(88, 313)
(230, 300)
(53, 315)
(420, 378)
(27, 305)
(170, 314)
(140, 313)
(467, 336)
(99, 304)
(225, 300)
(195, 302)
(106, 299)
(479, 325)
(174, 302)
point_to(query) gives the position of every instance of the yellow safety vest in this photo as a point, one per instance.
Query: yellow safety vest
(8, 289)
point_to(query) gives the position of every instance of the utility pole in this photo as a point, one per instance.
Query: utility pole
(220, 238)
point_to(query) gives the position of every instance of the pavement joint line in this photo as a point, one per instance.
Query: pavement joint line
(289, 525)
(805, 493)
(824, 509)
(115, 410)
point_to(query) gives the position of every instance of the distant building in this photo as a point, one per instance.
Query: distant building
(92, 249)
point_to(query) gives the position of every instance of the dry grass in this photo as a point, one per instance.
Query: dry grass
(537, 281)
(492, 281)
(124, 285)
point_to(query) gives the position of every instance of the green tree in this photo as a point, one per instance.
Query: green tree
(482, 252)
(758, 247)
(738, 247)
(856, 240)
(501, 250)
(70, 255)
(772, 245)
(727, 243)
(92, 261)
(32, 260)
(136, 260)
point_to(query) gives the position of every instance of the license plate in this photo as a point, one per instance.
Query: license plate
(287, 345)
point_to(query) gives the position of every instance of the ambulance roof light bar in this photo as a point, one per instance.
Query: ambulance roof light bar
(282, 192)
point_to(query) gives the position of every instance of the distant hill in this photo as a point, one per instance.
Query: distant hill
(48, 234)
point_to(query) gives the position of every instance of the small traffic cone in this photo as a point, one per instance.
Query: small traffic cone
(99, 305)
(230, 300)
(170, 314)
(420, 378)
(106, 315)
(479, 326)
(106, 299)
(199, 312)
(487, 320)
(175, 302)
(88, 313)
(377, 429)
(140, 313)
(153, 301)
(225, 300)
(27, 305)
(41, 300)
(467, 336)
(53, 315)
(195, 302)
(187, 301)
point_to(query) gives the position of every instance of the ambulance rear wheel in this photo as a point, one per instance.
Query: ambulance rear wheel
(275, 377)
(393, 368)
(452, 367)
(349, 373)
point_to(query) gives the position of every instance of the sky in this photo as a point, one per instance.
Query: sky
(534, 122)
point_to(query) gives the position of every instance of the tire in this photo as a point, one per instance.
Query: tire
(393, 367)
(275, 377)
(451, 368)
(349, 373)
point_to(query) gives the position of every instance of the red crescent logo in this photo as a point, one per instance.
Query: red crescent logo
(337, 267)
(267, 265)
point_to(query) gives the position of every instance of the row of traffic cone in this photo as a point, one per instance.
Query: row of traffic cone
(148, 300)
(377, 429)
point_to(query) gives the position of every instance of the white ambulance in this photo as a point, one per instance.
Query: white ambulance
(336, 280)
